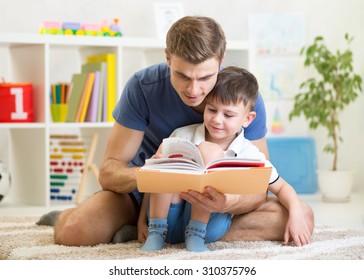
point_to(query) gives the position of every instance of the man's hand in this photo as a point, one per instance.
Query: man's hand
(211, 200)
(142, 229)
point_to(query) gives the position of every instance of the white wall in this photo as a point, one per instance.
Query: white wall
(330, 18)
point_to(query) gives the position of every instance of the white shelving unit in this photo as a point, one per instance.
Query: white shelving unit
(46, 59)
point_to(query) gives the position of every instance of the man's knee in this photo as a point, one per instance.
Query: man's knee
(71, 230)
(64, 230)
(309, 216)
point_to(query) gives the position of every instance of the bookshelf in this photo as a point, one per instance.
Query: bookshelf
(46, 59)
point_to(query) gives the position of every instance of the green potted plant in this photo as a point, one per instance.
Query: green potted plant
(321, 99)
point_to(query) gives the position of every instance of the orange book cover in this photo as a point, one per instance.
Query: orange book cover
(234, 180)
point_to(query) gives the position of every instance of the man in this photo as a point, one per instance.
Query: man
(154, 102)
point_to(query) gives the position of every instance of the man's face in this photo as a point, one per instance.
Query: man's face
(193, 82)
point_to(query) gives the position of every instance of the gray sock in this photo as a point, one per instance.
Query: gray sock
(125, 233)
(48, 219)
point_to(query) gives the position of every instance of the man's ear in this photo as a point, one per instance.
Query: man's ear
(168, 58)
(249, 118)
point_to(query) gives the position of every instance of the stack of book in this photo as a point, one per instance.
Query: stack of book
(92, 95)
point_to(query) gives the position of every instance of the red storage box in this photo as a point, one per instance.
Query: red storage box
(16, 103)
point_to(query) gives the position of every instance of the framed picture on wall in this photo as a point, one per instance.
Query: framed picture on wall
(165, 15)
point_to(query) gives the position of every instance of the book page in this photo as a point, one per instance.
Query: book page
(175, 147)
(173, 164)
(235, 163)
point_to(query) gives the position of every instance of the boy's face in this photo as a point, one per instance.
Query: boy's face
(224, 121)
(193, 82)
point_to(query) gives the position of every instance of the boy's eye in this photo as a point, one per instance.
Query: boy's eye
(212, 110)
(228, 116)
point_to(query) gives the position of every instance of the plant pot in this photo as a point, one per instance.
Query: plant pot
(335, 186)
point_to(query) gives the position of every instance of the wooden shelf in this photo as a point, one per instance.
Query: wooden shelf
(46, 59)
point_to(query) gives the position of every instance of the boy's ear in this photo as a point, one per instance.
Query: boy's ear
(249, 118)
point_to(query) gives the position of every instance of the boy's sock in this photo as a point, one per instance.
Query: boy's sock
(125, 234)
(157, 232)
(195, 236)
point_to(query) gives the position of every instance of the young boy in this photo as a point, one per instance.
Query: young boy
(229, 109)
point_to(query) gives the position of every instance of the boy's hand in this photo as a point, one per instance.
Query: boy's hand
(297, 230)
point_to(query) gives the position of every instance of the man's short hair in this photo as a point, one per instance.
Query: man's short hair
(196, 39)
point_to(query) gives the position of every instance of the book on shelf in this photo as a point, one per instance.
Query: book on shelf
(91, 115)
(109, 59)
(76, 89)
(104, 104)
(181, 168)
(85, 98)
(94, 112)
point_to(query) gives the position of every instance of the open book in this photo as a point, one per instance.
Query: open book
(181, 168)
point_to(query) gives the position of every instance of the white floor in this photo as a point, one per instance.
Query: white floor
(340, 214)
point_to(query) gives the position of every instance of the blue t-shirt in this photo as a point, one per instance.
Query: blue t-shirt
(149, 103)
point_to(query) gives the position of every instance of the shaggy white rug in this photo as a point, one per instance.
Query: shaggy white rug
(21, 239)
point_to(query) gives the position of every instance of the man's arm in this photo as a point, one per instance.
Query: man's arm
(261, 144)
(115, 175)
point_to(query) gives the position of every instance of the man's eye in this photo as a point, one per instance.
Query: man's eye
(183, 77)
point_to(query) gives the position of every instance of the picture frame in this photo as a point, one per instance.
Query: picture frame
(165, 15)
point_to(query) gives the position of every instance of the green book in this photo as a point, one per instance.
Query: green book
(77, 85)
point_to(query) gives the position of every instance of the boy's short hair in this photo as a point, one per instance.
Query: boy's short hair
(196, 39)
(235, 85)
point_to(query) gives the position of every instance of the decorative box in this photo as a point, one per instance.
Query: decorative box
(16, 103)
